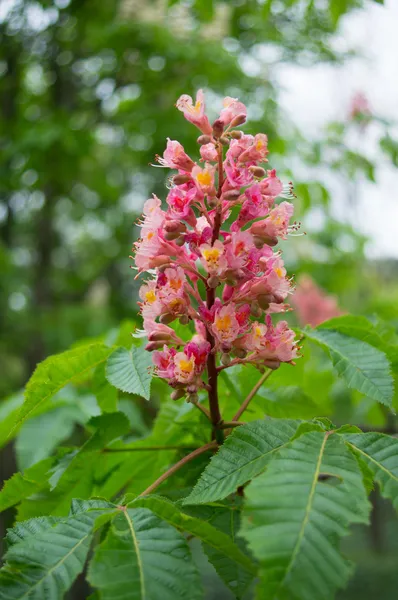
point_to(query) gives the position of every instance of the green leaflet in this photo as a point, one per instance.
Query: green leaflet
(128, 370)
(74, 472)
(143, 558)
(21, 486)
(361, 328)
(245, 453)
(293, 522)
(380, 452)
(9, 409)
(221, 542)
(57, 371)
(363, 367)
(105, 393)
(47, 554)
(54, 426)
(226, 518)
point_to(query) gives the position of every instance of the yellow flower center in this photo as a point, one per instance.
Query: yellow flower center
(150, 297)
(259, 145)
(212, 255)
(186, 366)
(278, 271)
(276, 219)
(204, 178)
(175, 284)
(258, 332)
(223, 324)
(150, 235)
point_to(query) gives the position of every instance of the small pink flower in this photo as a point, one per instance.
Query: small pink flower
(232, 108)
(199, 348)
(179, 200)
(271, 185)
(237, 177)
(184, 367)
(257, 151)
(150, 307)
(208, 152)
(276, 224)
(255, 205)
(238, 250)
(226, 326)
(213, 258)
(150, 244)
(164, 362)
(204, 179)
(195, 113)
(175, 157)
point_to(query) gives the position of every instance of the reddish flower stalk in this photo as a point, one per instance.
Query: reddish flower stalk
(211, 259)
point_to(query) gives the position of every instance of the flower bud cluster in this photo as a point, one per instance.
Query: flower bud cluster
(211, 257)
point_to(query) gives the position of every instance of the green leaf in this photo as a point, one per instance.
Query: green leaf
(47, 555)
(288, 401)
(143, 558)
(129, 371)
(105, 393)
(21, 486)
(244, 454)
(107, 428)
(227, 519)
(9, 409)
(208, 534)
(293, 520)
(363, 367)
(53, 427)
(380, 453)
(362, 329)
(57, 371)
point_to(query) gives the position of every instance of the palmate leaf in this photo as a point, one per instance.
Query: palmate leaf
(57, 371)
(46, 555)
(203, 530)
(293, 521)
(143, 558)
(128, 370)
(362, 366)
(380, 453)
(244, 454)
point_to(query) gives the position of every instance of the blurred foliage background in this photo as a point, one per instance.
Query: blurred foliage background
(87, 94)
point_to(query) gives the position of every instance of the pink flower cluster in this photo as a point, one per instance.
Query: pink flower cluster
(210, 255)
(313, 306)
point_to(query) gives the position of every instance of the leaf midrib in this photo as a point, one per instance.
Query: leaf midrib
(60, 562)
(239, 469)
(307, 514)
(137, 551)
(380, 466)
(350, 360)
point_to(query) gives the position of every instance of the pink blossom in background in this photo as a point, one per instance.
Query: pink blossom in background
(359, 106)
(206, 268)
(312, 304)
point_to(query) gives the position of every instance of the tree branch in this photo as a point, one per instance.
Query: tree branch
(229, 424)
(254, 391)
(177, 466)
(149, 448)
